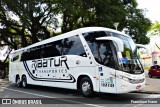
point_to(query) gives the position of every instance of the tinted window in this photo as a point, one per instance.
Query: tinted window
(158, 67)
(73, 46)
(102, 52)
(91, 36)
(51, 50)
(152, 67)
(155, 67)
(67, 46)
(32, 53)
(16, 58)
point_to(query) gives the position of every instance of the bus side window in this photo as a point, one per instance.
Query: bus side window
(73, 46)
(101, 50)
(15, 58)
(11, 60)
(102, 53)
(67, 46)
(50, 50)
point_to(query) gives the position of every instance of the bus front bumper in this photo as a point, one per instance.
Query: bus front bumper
(125, 87)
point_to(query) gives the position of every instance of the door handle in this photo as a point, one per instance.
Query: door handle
(101, 74)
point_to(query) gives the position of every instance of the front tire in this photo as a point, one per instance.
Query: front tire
(150, 75)
(86, 87)
(24, 82)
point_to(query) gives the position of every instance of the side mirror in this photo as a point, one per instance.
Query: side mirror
(143, 46)
(118, 42)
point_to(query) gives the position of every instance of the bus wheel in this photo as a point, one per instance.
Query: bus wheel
(24, 82)
(18, 81)
(86, 87)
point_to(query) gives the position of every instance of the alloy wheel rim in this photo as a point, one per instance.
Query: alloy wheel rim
(86, 86)
(24, 83)
(18, 81)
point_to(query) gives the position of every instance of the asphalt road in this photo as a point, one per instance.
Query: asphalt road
(57, 97)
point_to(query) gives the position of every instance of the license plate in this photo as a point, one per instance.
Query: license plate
(138, 87)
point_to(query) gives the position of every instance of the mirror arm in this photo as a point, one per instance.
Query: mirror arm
(143, 46)
(118, 42)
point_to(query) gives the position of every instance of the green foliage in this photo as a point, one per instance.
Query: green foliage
(138, 25)
(104, 13)
(84, 13)
(25, 22)
(147, 67)
(154, 29)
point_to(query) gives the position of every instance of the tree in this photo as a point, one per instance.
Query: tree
(34, 19)
(154, 29)
(137, 24)
(85, 13)
(24, 22)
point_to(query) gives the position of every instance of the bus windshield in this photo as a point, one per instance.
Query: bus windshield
(128, 59)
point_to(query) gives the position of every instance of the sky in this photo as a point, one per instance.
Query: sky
(152, 7)
(3, 52)
(153, 13)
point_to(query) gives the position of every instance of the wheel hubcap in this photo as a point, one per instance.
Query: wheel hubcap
(86, 86)
(18, 81)
(24, 83)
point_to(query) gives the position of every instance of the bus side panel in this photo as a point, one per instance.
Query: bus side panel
(12, 72)
(65, 73)
(65, 78)
(29, 73)
(77, 65)
(16, 68)
(89, 72)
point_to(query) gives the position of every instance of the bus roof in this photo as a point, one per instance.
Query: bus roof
(71, 33)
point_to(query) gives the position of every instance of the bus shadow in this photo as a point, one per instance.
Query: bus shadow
(98, 98)
(46, 89)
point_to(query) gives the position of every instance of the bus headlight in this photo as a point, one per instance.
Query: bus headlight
(133, 81)
(124, 78)
(136, 81)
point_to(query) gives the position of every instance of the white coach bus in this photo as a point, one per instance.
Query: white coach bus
(91, 59)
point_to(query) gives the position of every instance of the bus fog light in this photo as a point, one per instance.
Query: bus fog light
(138, 87)
(123, 86)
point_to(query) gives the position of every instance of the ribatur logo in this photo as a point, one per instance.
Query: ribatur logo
(50, 62)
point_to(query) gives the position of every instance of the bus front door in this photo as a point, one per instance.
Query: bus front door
(107, 79)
